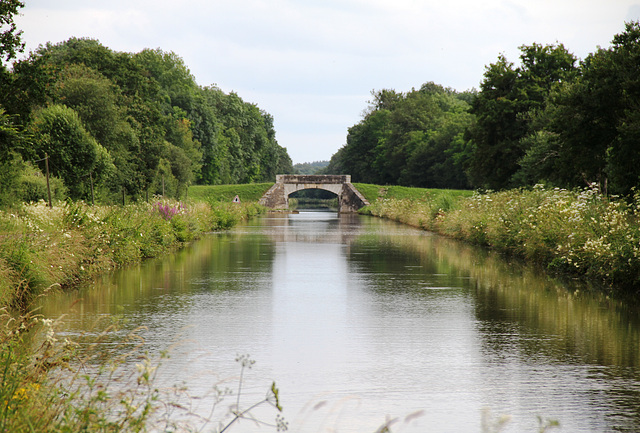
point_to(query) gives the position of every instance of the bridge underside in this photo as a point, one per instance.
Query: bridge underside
(349, 198)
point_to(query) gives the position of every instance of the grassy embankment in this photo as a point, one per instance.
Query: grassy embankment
(576, 233)
(43, 248)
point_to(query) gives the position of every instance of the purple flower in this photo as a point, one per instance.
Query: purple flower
(167, 211)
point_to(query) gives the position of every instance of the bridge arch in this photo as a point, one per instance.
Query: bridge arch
(349, 198)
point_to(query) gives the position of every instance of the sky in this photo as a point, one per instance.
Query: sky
(312, 64)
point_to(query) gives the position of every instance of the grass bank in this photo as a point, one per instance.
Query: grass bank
(226, 193)
(577, 233)
(41, 246)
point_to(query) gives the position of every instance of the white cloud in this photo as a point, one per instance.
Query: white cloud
(312, 63)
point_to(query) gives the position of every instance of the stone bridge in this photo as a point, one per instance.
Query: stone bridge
(349, 198)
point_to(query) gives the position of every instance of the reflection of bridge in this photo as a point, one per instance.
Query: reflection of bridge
(349, 198)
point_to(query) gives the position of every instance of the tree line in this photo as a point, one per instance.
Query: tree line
(552, 119)
(132, 123)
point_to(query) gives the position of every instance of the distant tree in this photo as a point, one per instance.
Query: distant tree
(310, 167)
(407, 139)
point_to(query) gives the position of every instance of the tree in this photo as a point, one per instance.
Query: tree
(508, 99)
(10, 37)
(99, 105)
(407, 139)
(590, 127)
(144, 114)
(73, 153)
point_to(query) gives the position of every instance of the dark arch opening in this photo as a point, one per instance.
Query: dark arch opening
(314, 198)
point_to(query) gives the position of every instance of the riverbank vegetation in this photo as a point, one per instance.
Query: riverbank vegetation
(579, 233)
(42, 247)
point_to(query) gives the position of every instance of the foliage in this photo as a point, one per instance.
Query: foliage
(549, 119)
(10, 162)
(136, 123)
(593, 121)
(407, 139)
(10, 36)
(581, 233)
(73, 153)
(315, 167)
(33, 186)
(508, 98)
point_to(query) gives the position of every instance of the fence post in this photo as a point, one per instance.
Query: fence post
(46, 163)
(91, 178)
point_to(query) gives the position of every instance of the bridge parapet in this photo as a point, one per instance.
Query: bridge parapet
(313, 178)
(349, 198)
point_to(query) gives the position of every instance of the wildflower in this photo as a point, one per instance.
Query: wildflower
(49, 331)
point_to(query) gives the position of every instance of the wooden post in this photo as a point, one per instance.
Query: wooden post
(92, 198)
(163, 185)
(123, 197)
(46, 163)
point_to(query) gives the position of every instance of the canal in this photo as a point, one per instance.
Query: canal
(359, 320)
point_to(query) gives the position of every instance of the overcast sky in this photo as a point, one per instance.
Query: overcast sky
(312, 64)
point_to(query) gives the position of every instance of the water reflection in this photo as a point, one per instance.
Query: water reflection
(357, 318)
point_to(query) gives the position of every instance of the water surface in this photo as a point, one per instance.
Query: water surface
(358, 319)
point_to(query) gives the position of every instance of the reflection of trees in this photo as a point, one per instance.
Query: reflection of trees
(514, 301)
(220, 261)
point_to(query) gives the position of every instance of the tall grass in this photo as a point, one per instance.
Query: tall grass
(580, 233)
(49, 384)
(41, 246)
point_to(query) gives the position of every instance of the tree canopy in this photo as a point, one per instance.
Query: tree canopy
(407, 138)
(136, 122)
(10, 37)
(549, 119)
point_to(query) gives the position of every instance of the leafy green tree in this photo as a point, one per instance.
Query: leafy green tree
(10, 36)
(29, 85)
(615, 79)
(407, 139)
(509, 97)
(99, 104)
(588, 130)
(73, 153)
(147, 116)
